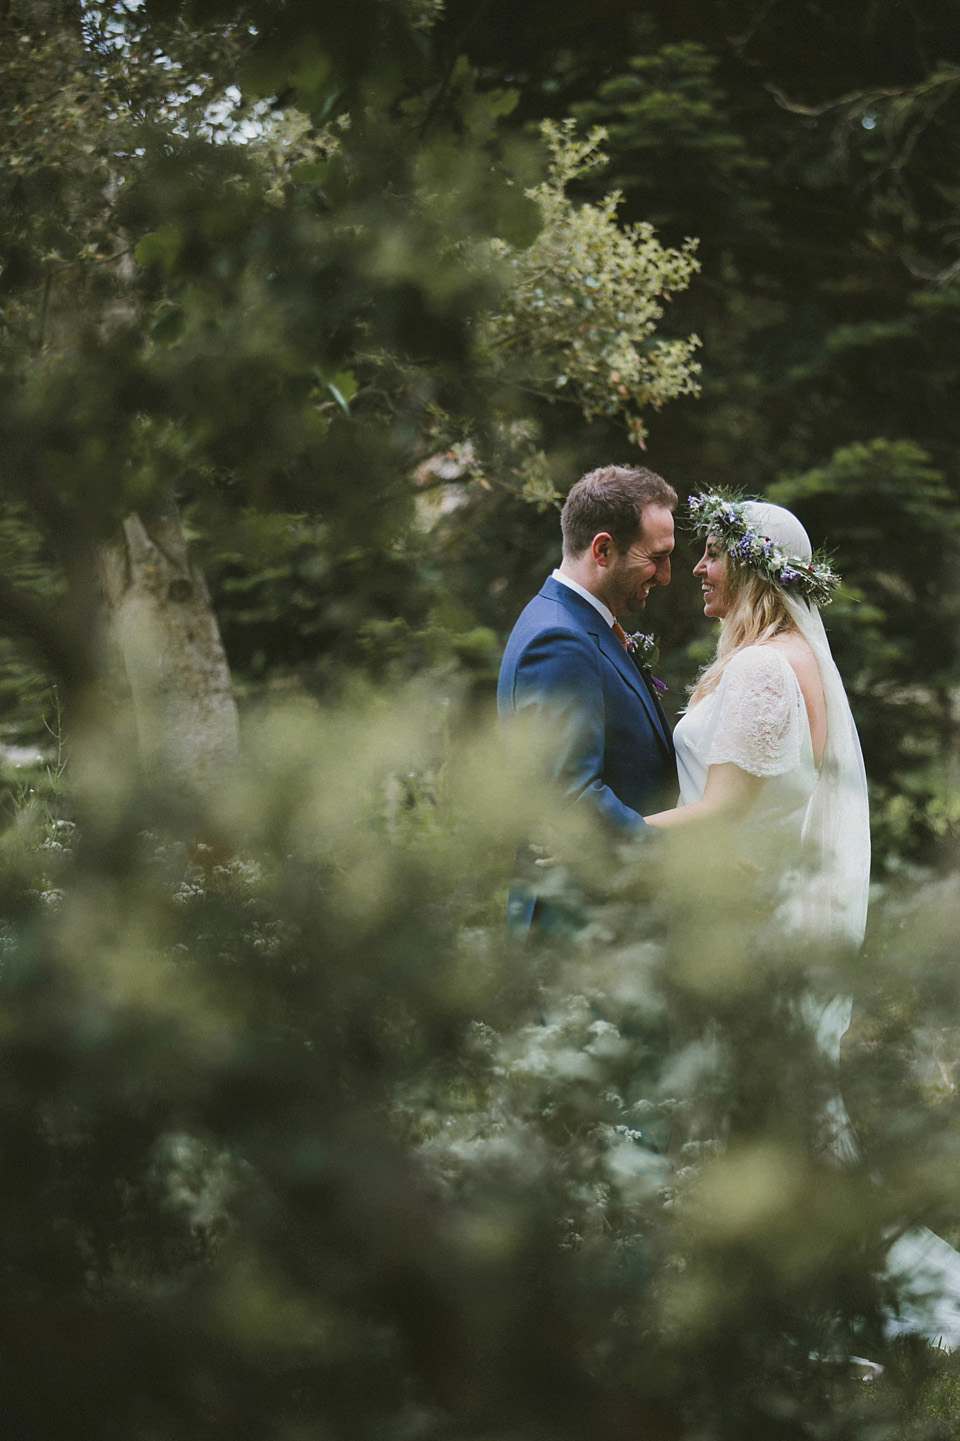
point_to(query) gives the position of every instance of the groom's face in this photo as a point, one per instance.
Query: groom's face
(632, 573)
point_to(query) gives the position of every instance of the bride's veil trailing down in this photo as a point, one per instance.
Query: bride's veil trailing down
(836, 830)
(830, 904)
(833, 900)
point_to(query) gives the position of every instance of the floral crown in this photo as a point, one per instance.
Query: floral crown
(814, 579)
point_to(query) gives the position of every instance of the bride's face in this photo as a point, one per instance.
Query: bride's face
(711, 571)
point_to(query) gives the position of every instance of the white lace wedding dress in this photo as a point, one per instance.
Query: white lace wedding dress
(807, 836)
(757, 719)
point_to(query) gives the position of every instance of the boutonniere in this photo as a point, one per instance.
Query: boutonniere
(646, 653)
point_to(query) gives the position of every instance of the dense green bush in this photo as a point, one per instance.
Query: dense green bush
(297, 1143)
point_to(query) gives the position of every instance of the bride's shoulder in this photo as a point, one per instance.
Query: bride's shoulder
(798, 653)
(760, 658)
(753, 675)
(763, 667)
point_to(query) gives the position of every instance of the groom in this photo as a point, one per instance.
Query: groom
(566, 662)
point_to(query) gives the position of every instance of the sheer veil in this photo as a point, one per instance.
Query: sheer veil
(835, 844)
(836, 829)
(834, 891)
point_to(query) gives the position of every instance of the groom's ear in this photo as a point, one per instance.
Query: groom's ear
(602, 548)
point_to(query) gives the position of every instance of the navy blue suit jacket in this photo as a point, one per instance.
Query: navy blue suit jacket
(614, 750)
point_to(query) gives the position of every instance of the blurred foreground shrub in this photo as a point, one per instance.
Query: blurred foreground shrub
(297, 1144)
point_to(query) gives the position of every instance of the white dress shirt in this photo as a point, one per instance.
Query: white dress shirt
(597, 604)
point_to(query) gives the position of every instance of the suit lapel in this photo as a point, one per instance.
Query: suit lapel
(594, 624)
(628, 668)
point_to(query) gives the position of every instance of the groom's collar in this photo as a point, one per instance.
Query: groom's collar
(598, 605)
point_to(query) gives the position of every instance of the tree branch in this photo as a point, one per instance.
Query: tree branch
(860, 96)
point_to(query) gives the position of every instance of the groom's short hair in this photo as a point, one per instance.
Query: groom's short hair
(611, 499)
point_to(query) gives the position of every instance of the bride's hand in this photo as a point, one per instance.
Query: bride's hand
(542, 858)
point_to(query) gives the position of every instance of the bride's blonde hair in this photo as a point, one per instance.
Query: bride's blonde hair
(755, 612)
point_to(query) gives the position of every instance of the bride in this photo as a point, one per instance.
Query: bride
(768, 747)
(768, 742)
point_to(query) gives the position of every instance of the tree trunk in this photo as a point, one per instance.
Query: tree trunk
(185, 713)
(187, 725)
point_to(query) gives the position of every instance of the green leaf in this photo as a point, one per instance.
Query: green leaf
(161, 247)
(308, 70)
(344, 384)
(520, 219)
(167, 326)
(338, 397)
(311, 172)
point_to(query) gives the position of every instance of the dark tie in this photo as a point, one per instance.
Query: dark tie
(621, 634)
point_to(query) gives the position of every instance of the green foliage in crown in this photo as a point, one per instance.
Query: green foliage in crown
(814, 580)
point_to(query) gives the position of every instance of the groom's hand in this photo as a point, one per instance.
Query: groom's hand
(542, 856)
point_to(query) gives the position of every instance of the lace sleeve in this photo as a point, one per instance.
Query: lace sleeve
(757, 724)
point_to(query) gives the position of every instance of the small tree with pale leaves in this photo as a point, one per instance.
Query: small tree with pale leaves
(584, 300)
